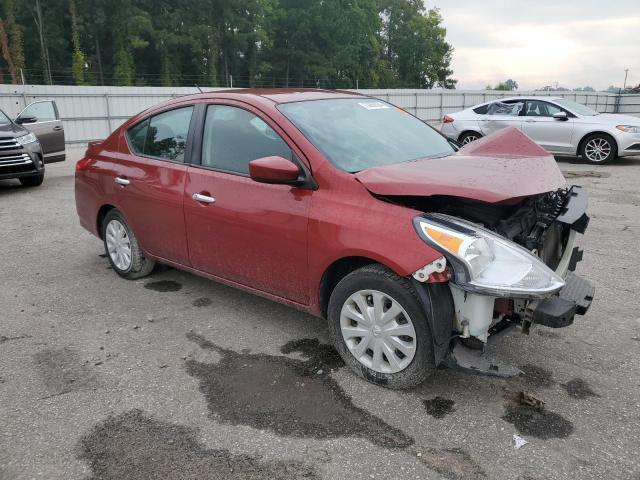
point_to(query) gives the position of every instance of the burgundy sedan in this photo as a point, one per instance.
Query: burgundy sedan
(349, 208)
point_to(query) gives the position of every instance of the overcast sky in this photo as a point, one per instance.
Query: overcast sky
(573, 42)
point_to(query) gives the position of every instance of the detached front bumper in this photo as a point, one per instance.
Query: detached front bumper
(559, 311)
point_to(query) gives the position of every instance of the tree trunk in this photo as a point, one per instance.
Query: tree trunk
(44, 52)
(99, 58)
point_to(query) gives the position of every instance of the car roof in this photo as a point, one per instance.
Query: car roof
(276, 95)
(522, 97)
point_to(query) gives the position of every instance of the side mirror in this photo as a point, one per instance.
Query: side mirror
(26, 119)
(560, 116)
(276, 170)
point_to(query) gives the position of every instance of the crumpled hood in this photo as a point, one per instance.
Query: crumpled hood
(503, 166)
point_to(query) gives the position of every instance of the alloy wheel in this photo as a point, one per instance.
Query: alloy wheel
(118, 245)
(469, 139)
(378, 331)
(597, 149)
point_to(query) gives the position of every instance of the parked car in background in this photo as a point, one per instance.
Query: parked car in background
(559, 125)
(34, 138)
(348, 208)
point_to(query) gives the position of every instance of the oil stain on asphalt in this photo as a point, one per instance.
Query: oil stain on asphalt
(202, 302)
(287, 396)
(63, 371)
(453, 463)
(537, 376)
(134, 446)
(163, 286)
(536, 422)
(579, 389)
(439, 407)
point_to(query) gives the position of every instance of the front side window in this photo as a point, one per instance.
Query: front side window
(233, 137)
(43, 111)
(536, 108)
(163, 135)
(359, 133)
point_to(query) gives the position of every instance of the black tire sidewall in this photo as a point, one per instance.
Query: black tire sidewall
(610, 158)
(140, 265)
(469, 134)
(401, 290)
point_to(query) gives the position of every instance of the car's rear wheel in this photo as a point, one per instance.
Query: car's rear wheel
(380, 329)
(32, 181)
(598, 149)
(468, 137)
(122, 249)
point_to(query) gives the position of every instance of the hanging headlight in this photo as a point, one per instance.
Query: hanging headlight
(486, 262)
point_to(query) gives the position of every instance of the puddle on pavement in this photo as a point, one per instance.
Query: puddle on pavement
(134, 446)
(163, 286)
(579, 389)
(63, 371)
(439, 407)
(454, 464)
(536, 422)
(287, 396)
(202, 302)
(537, 376)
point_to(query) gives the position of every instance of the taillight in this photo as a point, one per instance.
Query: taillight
(447, 119)
(82, 164)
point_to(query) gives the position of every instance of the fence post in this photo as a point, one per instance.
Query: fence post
(616, 105)
(106, 99)
(416, 97)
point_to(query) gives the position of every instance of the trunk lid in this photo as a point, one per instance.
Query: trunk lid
(504, 166)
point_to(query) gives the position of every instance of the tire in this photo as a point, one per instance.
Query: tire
(391, 291)
(33, 181)
(598, 149)
(125, 255)
(468, 137)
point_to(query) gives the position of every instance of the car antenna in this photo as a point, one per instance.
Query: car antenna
(198, 88)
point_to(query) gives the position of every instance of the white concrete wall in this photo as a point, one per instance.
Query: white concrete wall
(91, 113)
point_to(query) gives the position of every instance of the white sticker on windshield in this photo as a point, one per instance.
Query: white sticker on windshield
(373, 105)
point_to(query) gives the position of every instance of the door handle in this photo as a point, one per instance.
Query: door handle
(122, 181)
(57, 128)
(198, 197)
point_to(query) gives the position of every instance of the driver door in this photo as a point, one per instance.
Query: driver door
(42, 118)
(250, 233)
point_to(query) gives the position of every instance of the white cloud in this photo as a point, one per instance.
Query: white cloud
(575, 43)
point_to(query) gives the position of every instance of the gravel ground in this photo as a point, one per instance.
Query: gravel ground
(164, 377)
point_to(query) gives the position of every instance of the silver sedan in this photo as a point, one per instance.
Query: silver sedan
(559, 125)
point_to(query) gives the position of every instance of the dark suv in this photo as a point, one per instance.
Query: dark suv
(35, 137)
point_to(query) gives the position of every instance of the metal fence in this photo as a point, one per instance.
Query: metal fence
(92, 113)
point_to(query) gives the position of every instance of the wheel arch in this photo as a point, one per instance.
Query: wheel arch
(469, 130)
(102, 213)
(335, 272)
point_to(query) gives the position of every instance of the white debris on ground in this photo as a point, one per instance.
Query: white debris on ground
(518, 441)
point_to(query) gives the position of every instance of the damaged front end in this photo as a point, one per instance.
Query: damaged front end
(505, 264)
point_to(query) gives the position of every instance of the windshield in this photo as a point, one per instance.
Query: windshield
(4, 120)
(359, 133)
(576, 107)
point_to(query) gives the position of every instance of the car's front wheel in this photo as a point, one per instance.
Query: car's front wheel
(122, 249)
(598, 149)
(380, 329)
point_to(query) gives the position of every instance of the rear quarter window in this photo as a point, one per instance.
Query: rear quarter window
(481, 110)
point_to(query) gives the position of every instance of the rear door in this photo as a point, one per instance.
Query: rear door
(554, 135)
(43, 119)
(502, 115)
(250, 233)
(149, 180)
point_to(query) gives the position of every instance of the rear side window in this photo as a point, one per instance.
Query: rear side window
(233, 137)
(163, 135)
(482, 110)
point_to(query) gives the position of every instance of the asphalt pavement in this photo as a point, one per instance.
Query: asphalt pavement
(178, 377)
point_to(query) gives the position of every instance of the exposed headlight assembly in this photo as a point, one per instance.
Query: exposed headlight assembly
(628, 128)
(25, 139)
(485, 262)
